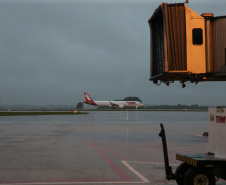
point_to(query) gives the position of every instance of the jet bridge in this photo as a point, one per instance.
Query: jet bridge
(186, 46)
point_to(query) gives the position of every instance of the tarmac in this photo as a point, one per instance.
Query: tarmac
(116, 148)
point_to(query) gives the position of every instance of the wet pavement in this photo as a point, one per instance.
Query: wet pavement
(98, 148)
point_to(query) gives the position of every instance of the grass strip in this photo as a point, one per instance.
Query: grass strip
(11, 113)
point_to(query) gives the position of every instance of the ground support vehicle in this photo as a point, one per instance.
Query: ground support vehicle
(201, 169)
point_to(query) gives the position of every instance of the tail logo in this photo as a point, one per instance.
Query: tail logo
(87, 97)
(131, 103)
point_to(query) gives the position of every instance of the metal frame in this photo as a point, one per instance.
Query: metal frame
(208, 161)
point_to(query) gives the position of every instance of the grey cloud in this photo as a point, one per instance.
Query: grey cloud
(53, 51)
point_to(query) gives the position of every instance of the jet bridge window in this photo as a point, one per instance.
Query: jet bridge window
(197, 36)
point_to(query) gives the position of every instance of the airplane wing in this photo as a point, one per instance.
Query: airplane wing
(114, 105)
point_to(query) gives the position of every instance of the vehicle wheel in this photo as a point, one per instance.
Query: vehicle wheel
(180, 173)
(196, 176)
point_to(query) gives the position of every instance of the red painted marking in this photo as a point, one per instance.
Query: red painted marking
(111, 163)
(123, 176)
(111, 150)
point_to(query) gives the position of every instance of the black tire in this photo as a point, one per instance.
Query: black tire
(180, 173)
(197, 176)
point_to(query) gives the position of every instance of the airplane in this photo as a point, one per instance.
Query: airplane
(113, 104)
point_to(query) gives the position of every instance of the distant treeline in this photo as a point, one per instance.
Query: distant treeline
(178, 106)
(37, 107)
(80, 106)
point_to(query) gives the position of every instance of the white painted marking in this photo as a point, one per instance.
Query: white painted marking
(135, 172)
(144, 180)
(150, 163)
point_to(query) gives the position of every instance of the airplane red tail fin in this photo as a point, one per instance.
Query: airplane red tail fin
(88, 99)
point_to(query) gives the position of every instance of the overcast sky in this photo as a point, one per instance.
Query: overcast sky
(53, 51)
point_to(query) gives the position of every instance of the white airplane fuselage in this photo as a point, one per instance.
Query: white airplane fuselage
(113, 104)
(121, 104)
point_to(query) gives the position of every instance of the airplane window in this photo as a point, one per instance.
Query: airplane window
(197, 36)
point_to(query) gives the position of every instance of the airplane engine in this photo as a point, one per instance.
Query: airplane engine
(121, 106)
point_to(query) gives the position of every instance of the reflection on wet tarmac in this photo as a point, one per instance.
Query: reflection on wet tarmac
(98, 148)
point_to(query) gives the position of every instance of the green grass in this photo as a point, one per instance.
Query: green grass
(12, 113)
